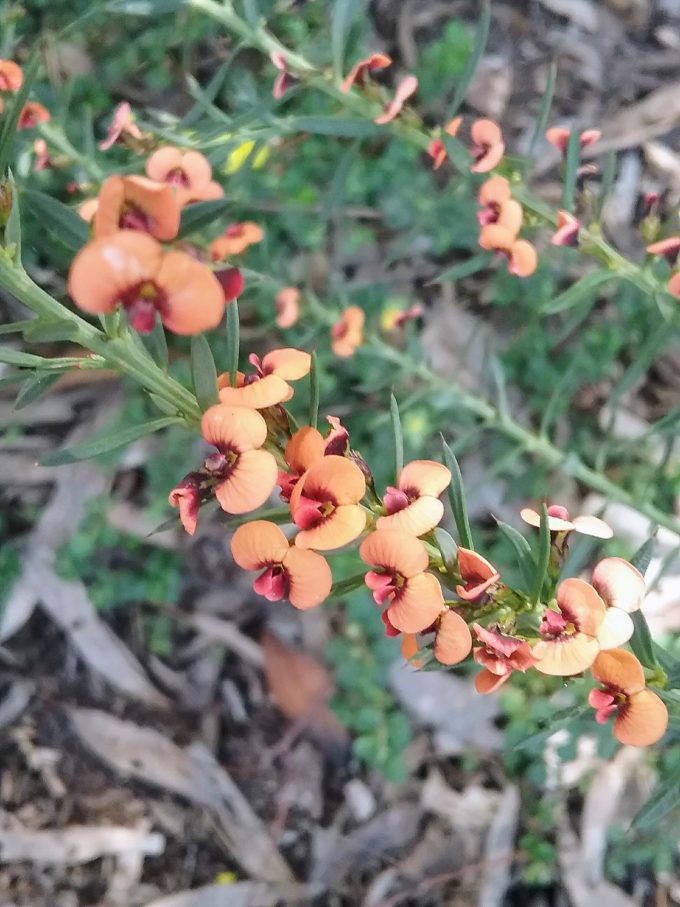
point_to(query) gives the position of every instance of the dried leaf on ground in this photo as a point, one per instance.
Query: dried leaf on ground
(499, 850)
(193, 773)
(15, 701)
(653, 116)
(238, 894)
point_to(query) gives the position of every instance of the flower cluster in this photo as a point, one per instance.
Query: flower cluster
(11, 80)
(500, 221)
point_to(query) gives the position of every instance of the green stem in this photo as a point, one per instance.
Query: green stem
(118, 352)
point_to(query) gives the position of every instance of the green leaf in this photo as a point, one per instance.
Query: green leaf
(643, 556)
(446, 545)
(341, 21)
(498, 375)
(43, 330)
(13, 110)
(464, 268)
(65, 223)
(233, 341)
(13, 226)
(22, 360)
(252, 12)
(157, 345)
(578, 292)
(641, 641)
(543, 559)
(34, 387)
(144, 7)
(397, 436)
(572, 160)
(560, 393)
(481, 36)
(457, 498)
(106, 443)
(314, 392)
(608, 170)
(544, 112)
(205, 96)
(17, 327)
(525, 558)
(458, 154)
(201, 214)
(344, 127)
(344, 586)
(565, 719)
(203, 372)
(664, 799)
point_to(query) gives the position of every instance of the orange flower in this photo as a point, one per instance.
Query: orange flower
(360, 72)
(42, 156)
(235, 240)
(269, 384)
(232, 283)
(521, 255)
(488, 147)
(641, 717)
(621, 587)
(302, 451)
(122, 123)
(136, 203)
(392, 318)
(669, 248)
(452, 640)
(187, 495)
(11, 76)
(558, 136)
(131, 268)
(414, 505)
(498, 207)
(303, 577)
(569, 636)
(673, 285)
(325, 504)
(476, 573)
(284, 79)
(33, 113)
(245, 475)
(88, 209)
(560, 521)
(188, 172)
(348, 333)
(405, 89)
(567, 230)
(499, 656)
(437, 149)
(287, 307)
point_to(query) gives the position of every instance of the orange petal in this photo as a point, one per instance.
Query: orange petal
(309, 577)
(396, 552)
(619, 670)
(194, 298)
(261, 394)
(555, 524)
(591, 525)
(486, 132)
(523, 258)
(494, 191)
(416, 518)
(673, 285)
(289, 364)
(106, 268)
(88, 209)
(164, 161)
(409, 646)
(233, 427)
(287, 307)
(452, 642)
(332, 478)
(304, 449)
(496, 237)
(511, 216)
(424, 477)
(343, 526)
(11, 76)
(642, 720)
(156, 201)
(407, 87)
(486, 682)
(619, 583)
(250, 482)
(565, 657)
(417, 605)
(580, 603)
(616, 629)
(258, 544)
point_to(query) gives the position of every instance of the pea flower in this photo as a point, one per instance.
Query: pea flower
(287, 307)
(136, 203)
(499, 655)
(668, 247)
(188, 172)
(348, 333)
(520, 254)
(235, 240)
(301, 576)
(560, 521)
(244, 474)
(42, 156)
(641, 716)
(361, 71)
(558, 136)
(487, 147)
(232, 283)
(122, 123)
(621, 587)
(414, 598)
(325, 504)
(268, 385)
(407, 87)
(477, 575)
(452, 639)
(414, 505)
(188, 496)
(569, 643)
(132, 269)
(11, 76)
(284, 80)
(303, 450)
(32, 114)
(437, 149)
(567, 230)
(498, 206)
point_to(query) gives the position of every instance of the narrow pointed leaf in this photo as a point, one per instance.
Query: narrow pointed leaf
(341, 21)
(498, 374)
(13, 226)
(106, 443)
(13, 110)
(641, 641)
(665, 798)
(397, 436)
(252, 12)
(314, 392)
(643, 556)
(203, 372)
(157, 344)
(525, 558)
(447, 546)
(65, 223)
(457, 498)
(543, 558)
(572, 160)
(464, 268)
(16, 327)
(478, 46)
(233, 341)
(608, 169)
(584, 288)
(42, 330)
(546, 105)
(345, 127)
(201, 214)
(34, 387)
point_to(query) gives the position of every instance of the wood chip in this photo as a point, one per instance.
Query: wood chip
(239, 894)
(656, 114)
(499, 850)
(15, 701)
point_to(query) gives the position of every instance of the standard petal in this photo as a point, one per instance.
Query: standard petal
(486, 682)
(494, 191)
(555, 524)
(289, 364)
(304, 449)
(343, 526)
(452, 641)
(397, 552)
(258, 544)
(619, 670)
(591, 525)
(424, 477)
(162, 162)
(619, 583)
(261, 394)
(616, 629)
(417, 605)
(233, 427)
(565, 657)
(194, 298)
(416, 518)
(642, 721)
(309, 578)
(249, 484)
(335, 479)
(580, 604)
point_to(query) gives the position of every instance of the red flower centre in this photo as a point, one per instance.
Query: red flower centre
(177, 177)
(384, 585)
(219, 465)
(311, 513)
(134, 218)
(555, 626)
(397, 499)
(273, 584)
(141, 303)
